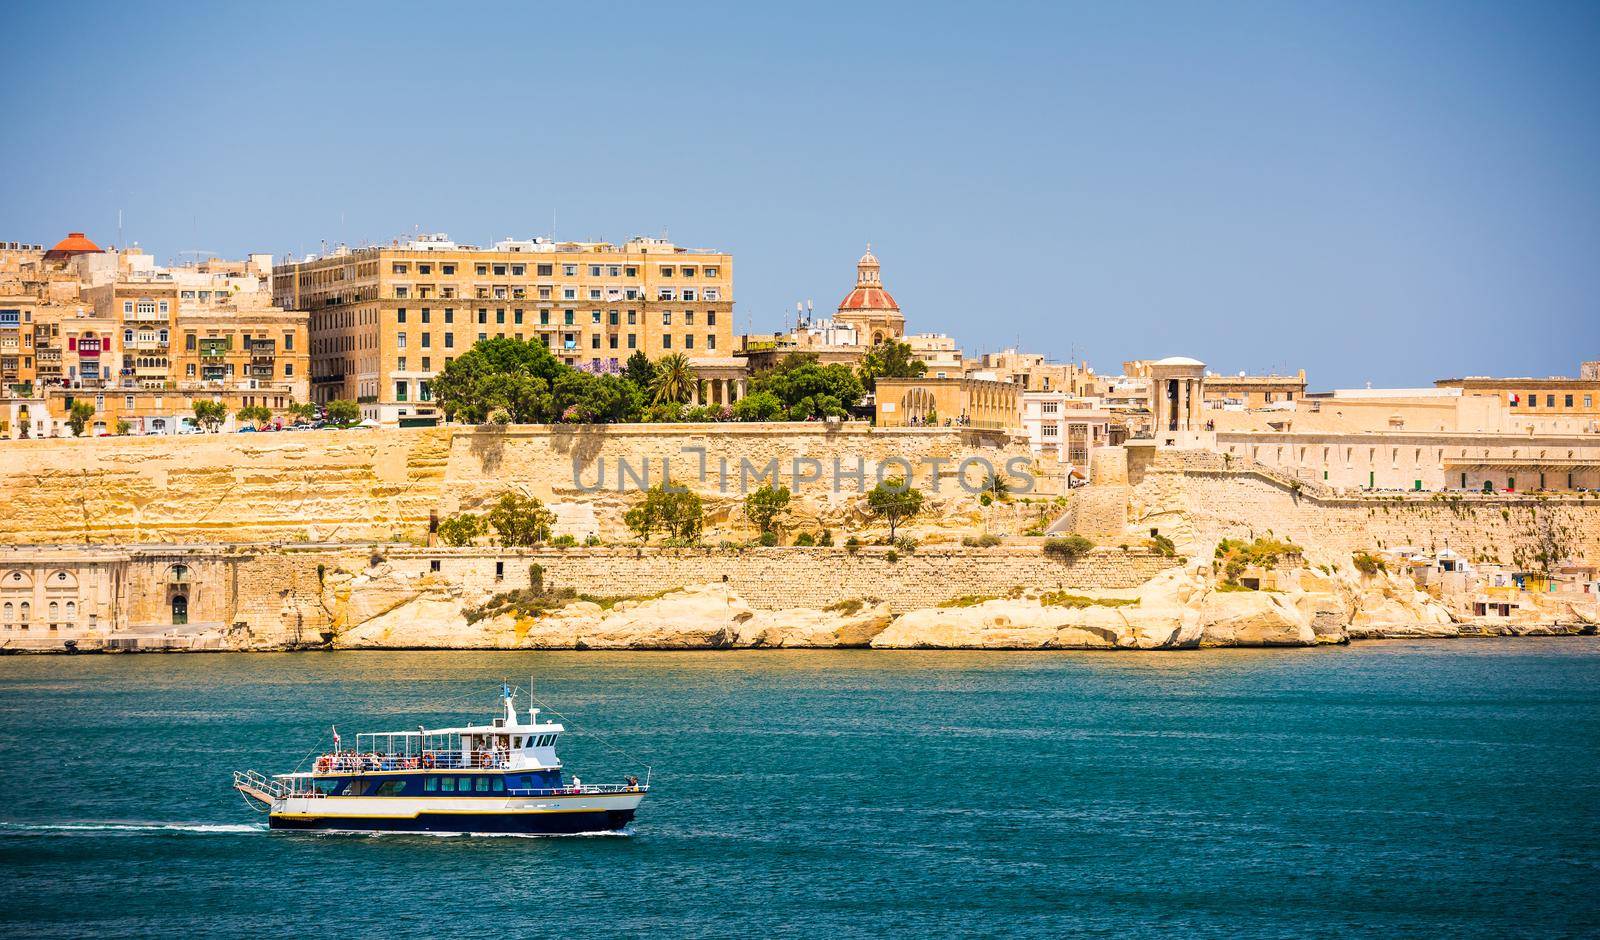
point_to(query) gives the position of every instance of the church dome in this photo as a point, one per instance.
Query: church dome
(73, 244)
(869, 294)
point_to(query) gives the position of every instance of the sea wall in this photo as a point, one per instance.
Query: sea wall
(384, 485)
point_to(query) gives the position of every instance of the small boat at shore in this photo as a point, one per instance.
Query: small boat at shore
(501, 778)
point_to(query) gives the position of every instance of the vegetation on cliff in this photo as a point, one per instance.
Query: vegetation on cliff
(894, 501)
(1235, 555)
(678, 513)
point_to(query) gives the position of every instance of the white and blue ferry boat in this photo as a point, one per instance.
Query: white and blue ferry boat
(503, 777)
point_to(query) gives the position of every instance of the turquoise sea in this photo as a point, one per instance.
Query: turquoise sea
(1388, 789)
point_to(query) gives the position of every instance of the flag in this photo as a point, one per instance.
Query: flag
(1515, 399)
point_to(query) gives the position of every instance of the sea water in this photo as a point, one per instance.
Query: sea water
(1385, 789)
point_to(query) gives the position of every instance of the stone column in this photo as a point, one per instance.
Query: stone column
(741, 388)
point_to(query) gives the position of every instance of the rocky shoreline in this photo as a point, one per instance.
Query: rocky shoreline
(384, 609)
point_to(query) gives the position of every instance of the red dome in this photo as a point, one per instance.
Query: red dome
(73, 244)
(869, 298)
(869, 293)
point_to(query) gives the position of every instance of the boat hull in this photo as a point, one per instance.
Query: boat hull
(544, 815)
(550, 824)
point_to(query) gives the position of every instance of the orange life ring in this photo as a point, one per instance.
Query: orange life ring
(427, 759)
(322, 764)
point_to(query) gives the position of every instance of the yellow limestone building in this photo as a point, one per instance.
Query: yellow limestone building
(386, 320)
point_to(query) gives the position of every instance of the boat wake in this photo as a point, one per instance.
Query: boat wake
(16, 828)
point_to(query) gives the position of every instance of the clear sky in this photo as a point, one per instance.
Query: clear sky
(1376, 192)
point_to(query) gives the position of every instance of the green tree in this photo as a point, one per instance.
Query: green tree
(512, 381)
(461, 528)
(676, 512)
(520, 521)
(342, 411)
(758, 406)
(996, 486)
(889, 359)
(1067, 546)
(78, 416)
(512, 374)
(253, 414)
(123, 427)
(674, 380)
(302, 411)
(808, 390)
(582, 398)
(639, 370)
(764, 507)
(210, 414)
(894, 501)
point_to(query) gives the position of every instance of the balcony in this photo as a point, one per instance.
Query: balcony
(263, 350)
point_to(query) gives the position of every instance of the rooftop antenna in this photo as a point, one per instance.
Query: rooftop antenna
(120, 243)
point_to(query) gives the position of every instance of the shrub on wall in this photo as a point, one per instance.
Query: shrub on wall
(1067, 547)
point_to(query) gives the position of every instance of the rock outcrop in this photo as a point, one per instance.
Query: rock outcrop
(379, 608)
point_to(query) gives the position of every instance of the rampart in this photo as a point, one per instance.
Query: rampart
(1198, 498)
(365, 485)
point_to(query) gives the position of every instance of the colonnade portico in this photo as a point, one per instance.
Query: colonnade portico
(721, 380)
(1177, 389)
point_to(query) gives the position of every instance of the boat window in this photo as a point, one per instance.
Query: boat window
(465, 786)
(483, 784)
(499, 785)
(327, 786)
(448, 785)
(430, 785)
(390, 788)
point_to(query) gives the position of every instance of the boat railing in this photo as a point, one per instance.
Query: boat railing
(584, 789)
(261, 786)
(347, 762)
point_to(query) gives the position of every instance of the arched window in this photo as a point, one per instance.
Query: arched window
(55, 611)
(72, 611)
(26, 610)
(10, 612)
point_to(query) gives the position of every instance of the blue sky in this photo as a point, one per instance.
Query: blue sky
(1383, 192)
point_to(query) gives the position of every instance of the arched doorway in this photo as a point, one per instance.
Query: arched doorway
(180, 609)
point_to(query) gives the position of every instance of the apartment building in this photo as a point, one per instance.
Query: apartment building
(386, 320)
(141, 341)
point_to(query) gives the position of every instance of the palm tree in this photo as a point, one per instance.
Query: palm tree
(675, 379)
(996, 486)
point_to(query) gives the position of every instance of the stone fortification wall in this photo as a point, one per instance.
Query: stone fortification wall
(381, 485)
(1197, 499)
(775, 578)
